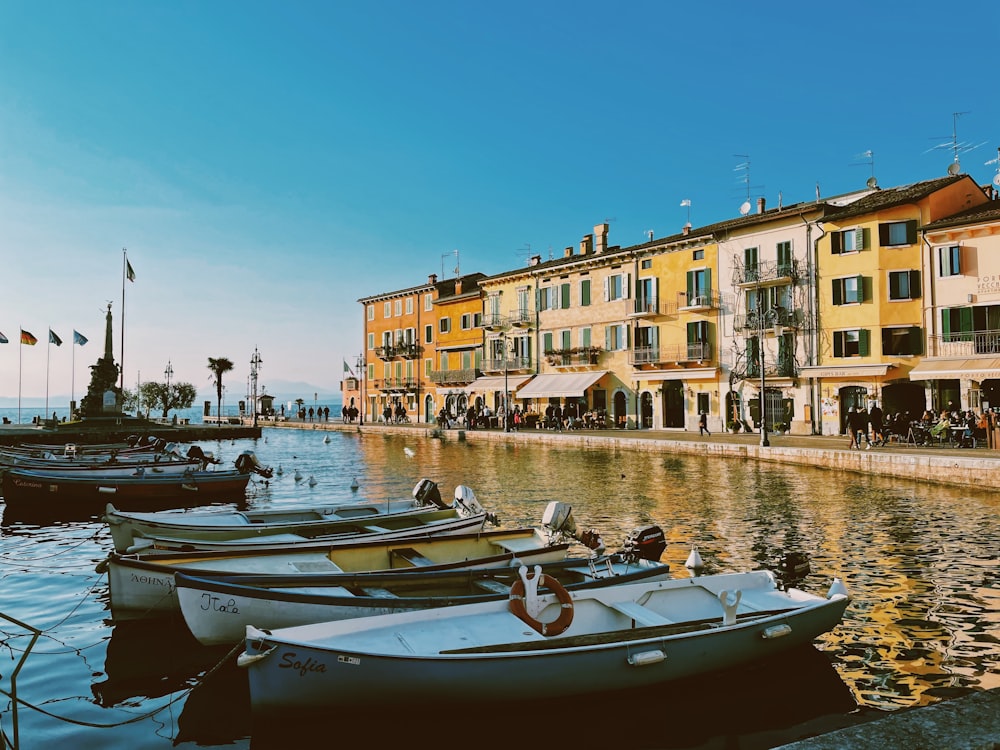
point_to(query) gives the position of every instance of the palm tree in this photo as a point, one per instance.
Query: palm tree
(218, 366)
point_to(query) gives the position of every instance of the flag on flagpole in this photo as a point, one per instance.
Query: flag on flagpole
(346, 368)
(27, 338)
(129, 273)
(3, 339)
(686, 202)
(53, 339)
(79, 338)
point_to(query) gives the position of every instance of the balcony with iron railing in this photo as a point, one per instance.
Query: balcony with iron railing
(964, 344)
(409, 350)
(523, 318)
(454, 377)
(701, 299)
(574, 357)
(500, 365)
(395, 385)
(757, 320)
(766, 272)
(695, 351)
(385, 352)
(779, 369)
(645, 307)
(494, 321)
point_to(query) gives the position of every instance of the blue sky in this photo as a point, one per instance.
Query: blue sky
(266, 164)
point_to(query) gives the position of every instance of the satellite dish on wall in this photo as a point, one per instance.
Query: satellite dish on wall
(954, 168)
(996, 180)
(872, 182)
(745, 208)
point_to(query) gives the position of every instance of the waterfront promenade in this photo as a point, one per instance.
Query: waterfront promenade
(972, 467)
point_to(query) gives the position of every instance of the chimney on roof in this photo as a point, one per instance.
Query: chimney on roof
(432, 279)
(587, 244)
(601, 232)
(568, 251)
(760, 205)
(458, 287)
(534, 260)
(686, 230)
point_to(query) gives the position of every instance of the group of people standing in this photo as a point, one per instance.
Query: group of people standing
(859, 420)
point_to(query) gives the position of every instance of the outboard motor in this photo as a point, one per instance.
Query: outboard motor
(645, 543)
(206, 457)
(558, 517)
(426, 492)
(792, 569)
(466, 501)
(592, 540)
(159, 444)
(247, 462)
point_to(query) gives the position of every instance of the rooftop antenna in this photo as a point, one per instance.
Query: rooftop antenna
(869, 157)
(649, 233)
(686, 203)
(745, 168)
(457, 267)
(955, 146)
(996, 177)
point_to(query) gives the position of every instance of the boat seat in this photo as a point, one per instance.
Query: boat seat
(373, 529)
(641, 615)
(378, 592)
(525, 544)
(410, 555)
(493, 586)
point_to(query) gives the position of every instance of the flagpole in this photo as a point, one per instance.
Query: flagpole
(124, 265)
(48, 355)
(72, 377)
(20, 350)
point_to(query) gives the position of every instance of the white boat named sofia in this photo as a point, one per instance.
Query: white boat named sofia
(536, 646)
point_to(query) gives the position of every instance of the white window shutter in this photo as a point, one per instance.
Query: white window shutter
(607, 288)
(859, 238)
(626, 285)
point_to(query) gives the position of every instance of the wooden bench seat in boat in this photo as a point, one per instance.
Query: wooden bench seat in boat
(378, 592)
(492, 586)
(411, 556)
(642, 616)
(518, 545)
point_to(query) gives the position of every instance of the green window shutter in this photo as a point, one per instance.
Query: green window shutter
(837, 243)
(911, 232)
(547, 342)
(692, 332)
(883, 235)
(690, 286)
(946, 323)
(565, 296)
(965, 318)
(585, 337)
(863, 342)
(708, 282)
(838, 292)
(915, 290)
(566, 343)
(838, 343)
(626, 336)
(654, 336)
(916, 340)
(861, 239)
(865, 288)
(585, 292)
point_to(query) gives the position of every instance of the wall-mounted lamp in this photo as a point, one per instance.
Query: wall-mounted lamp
(716, 393)
(690, 391)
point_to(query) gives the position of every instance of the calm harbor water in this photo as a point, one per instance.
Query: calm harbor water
(920, 562)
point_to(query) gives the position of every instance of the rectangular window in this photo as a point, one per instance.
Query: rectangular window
(895, 233)
(848, 290)
(387, 310)
(750, 264)
(428, 302)
(699, 287)
(784, 251)
(566, 341)
(949, 261)
(444, 325)
(477, 320)
(370, 309)
(428, 333)
(547, 342)
(585, 292)
(585, 336)
(371, 372)
(409, 305)
(523, 298)
(703, 400)
(545, 298)
(617, 286)
(564, 296)
(399, 307)
(904, 284)
(371, 340)
(850, 343)
(698, 255)
(647, 263)
(615, 338)
(847, 241)
(466, 360)
(902, 341)
(466, 321)
(443, 359)
(427, 368)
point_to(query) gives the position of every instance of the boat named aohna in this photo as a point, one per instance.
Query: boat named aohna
(536, 646)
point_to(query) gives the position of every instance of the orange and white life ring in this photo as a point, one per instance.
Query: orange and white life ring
(518, 604)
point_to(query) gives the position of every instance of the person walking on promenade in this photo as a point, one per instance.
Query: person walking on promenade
(703, 424)
(863, 427)
(852, 427)
(875, 420)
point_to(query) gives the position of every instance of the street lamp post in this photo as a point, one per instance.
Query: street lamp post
(763, 316)
(255, 362)
(506, 387)
(361, 392)
(168, 373)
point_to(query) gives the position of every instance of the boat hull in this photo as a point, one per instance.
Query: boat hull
(143, 586)
(218, 610)
(485, 650)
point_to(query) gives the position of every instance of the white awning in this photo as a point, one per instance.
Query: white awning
(845, 371)
(490, 383)
(964, 369)
(556, 385)
(699, 373)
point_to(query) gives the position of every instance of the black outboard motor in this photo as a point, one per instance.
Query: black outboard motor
(793, 568)
(426, 492)
(646, 543)
(247, 462)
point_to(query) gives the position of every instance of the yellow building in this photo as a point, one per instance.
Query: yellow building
(453, 345)
(872, 292)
